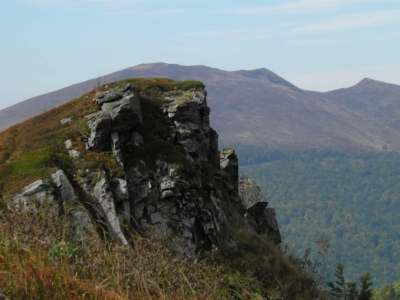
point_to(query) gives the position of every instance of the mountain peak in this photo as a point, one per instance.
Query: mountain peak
(264, 73)
(369, 81)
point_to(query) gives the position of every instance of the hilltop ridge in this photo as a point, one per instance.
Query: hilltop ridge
(258, 107)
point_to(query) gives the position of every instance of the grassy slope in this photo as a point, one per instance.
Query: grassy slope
(40, 261)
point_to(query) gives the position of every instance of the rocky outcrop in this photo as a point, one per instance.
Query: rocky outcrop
(186, 202)
(260, 217)
(120, 112)
(192, 126)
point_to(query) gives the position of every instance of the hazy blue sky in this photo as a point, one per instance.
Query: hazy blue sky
(316, 44)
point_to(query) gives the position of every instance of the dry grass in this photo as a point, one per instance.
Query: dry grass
(39, 260)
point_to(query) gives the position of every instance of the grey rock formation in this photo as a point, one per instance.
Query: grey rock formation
(114, 95)
(109, 96)
(262, 219)
(125, 113)
(103, 196)
(41, 190)
(100, 129)
(116, 148)
(80, 218)
(182, 201)
(64, 186)
(120, 112)
(122, 200)
(230, 164)
(251, 195)
(214, 153)
(192, 126)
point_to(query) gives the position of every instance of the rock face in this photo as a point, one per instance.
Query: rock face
(230, 164)
(262, 218)
(181, 201)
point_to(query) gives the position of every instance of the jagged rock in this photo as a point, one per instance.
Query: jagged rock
(262, 219)
(251, 195)
(230, 164)
(169, 203)
(80, 218)
(121, 196)
(125, 113)
(218, 213)
(191, 124)
(113, 95)
(161, 195)
(100, 127)
(41, 190)
(121, 191)
(102, 193)
(108, 96)
(116, 148)
(64, 186)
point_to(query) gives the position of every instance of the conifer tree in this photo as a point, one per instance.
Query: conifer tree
(365, 287)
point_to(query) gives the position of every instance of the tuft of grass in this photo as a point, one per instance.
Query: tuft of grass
(190, 85)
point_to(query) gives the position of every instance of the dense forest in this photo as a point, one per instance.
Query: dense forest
(388, 292)
(351, 200)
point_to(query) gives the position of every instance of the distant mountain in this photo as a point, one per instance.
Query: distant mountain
(259, 107)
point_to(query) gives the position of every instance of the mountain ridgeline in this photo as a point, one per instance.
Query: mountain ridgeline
(113, 179)
(258, 107)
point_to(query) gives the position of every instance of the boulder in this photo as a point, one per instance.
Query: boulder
(36, 193)
(259, 216)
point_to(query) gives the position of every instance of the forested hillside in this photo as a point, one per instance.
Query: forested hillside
(352, 200)
(388, 292)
